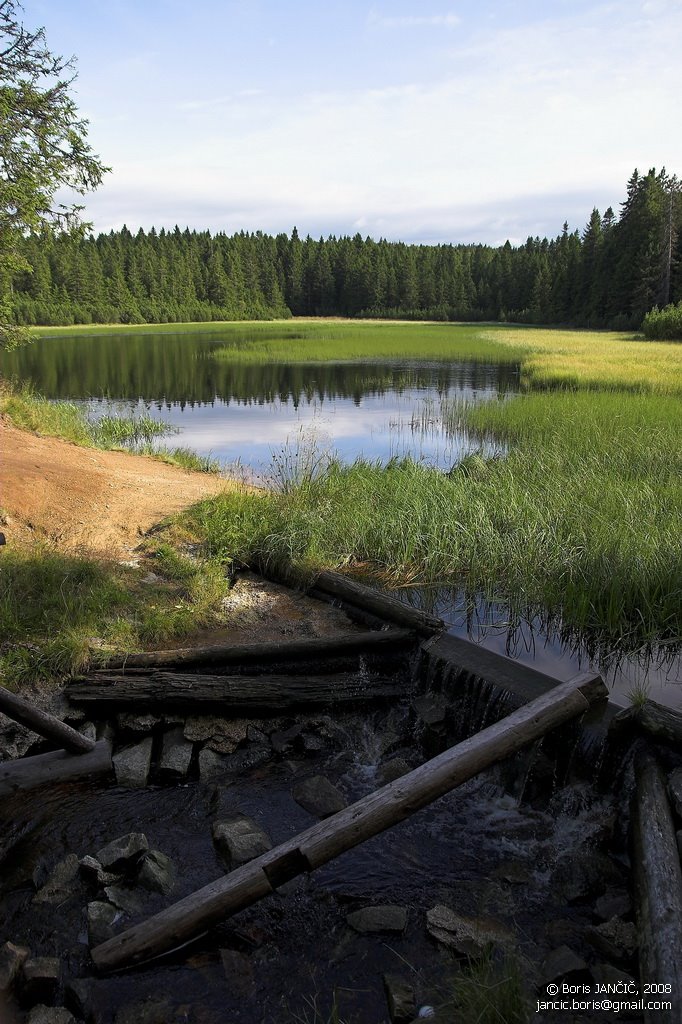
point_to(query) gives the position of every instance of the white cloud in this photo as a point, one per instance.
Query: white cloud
(414, 20)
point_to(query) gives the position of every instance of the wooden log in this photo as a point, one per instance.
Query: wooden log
(279, 651)
(378, 603)
(660, 723)
(253, 695)
(43, 723)
(658, 888)
(56, 766)
(347, 828)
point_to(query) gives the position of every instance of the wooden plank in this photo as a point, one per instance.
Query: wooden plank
(378, 602)
(658, 888)
(353, 825)
(43, 723)
(279, 651)
(254, 695)
(57, 766)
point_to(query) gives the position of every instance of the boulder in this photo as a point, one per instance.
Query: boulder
(157, 873)
(129, 722)
(284, 741)
(40, 977)
(240, 840)
(248, 758)
(613, 904)
(123, 853)
(615, 939)
(132, 764)
(467, 936)
(220, 734)
(176, 754)
(384, 918)
(92, 870)
(319, 796)
(12, 958)
(61, 882)
(50, 1015)
(124, 899)
(101, 920)
(211, 765)
(402, 1006)
(238, 973)
(391, 770)
(561, 963)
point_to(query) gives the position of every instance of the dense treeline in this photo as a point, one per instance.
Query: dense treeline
(610, 275)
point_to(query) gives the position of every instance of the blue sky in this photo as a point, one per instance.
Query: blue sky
(462, 121)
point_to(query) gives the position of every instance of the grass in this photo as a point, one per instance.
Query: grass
(61, 613)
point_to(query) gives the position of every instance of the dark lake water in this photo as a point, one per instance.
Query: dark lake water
(243, 412)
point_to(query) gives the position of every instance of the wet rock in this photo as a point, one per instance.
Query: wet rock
(123, 899)
(613, 904)
(675, 791)
(256, 735)
(157, 873)
(132, 764)
(79, 997)
(313, 744)
(101, 920)
(40, 978)
(50, 1015)
(240, 840)
(220, 734)
(319, 796)
(392, 770)
(61, 883)
(385, 918)
(128, 722)
(402, 1006)
(514, 872)
(238, 972)
(122, 853)
(287, 740)
(583, 875)
(561, 963)
(615, 939)
(211, 765)
(88, 729)
(607, 974)
(245, 760)
(92, 870)
(148, 1011)
(563, 932)
(467, 936)
(176, 754)
(12, 958)
(429, 710)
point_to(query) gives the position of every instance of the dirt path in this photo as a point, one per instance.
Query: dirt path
(85, 498)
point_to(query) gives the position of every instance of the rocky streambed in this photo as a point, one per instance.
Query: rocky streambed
(517, 880)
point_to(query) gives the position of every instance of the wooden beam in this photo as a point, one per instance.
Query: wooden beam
(277, 651)
(56, 766)
(253, 695)
(378, 602)
(353, 825)
(43, 723)
(658, 888)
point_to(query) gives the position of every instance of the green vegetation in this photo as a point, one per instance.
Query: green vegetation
(664, 324)
(30, 411)
(609, 275)
(578, 521)
(59, 613)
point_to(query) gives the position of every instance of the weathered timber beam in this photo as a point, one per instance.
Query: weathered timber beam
(366, 818)
(43, 723)
(378, 603)
(284, 650)
(56, 766)
(658, 887)
(657, 721)
(255, 695)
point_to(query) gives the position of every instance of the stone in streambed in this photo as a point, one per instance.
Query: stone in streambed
(402, 1006)
(122, 853)
(132, 764)
(385, 918)
(123, 899)
(101, 920)
(467, 936)
(50, 1015)
(561, 963)
(615, 939)
(176, 754)
(319, 796)
(12, 958)
(61, 882)
(40, 978)
(92, 870)
(240, 840)
(157, 873)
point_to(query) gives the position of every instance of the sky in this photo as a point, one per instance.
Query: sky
(461, 121)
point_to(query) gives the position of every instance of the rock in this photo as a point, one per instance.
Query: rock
(613, 904)
(675, 791)
(313, 744)
(429, 710)
(40, 978)
(402, 1006)
(514, 872)
(88, 729)
(124, 899)
(245, 760)
(606, 974)
(157, 873)
(222, 734)
(255, 735)
(615, 939)
(467, 936)
(391, 770)
(50, 1015)
(101, 920)
(319, 796)
(92, 870)
(61, 882)
(285, 741)
(238, 972)
(385, 918)
(128, 722)
(240, 840)
(561, 963)
(122, 853)
(581, 876)
(79, 997)
(12, 958)
(150, 1011)
(176, 754)
(211, 765)
(132, 764)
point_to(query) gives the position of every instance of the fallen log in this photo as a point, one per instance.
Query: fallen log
(347, 828)
(56, 766)
(378, 603)
(657, 721)
(658, 888)
(280, 651)
(243, 695)
(43, 723)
